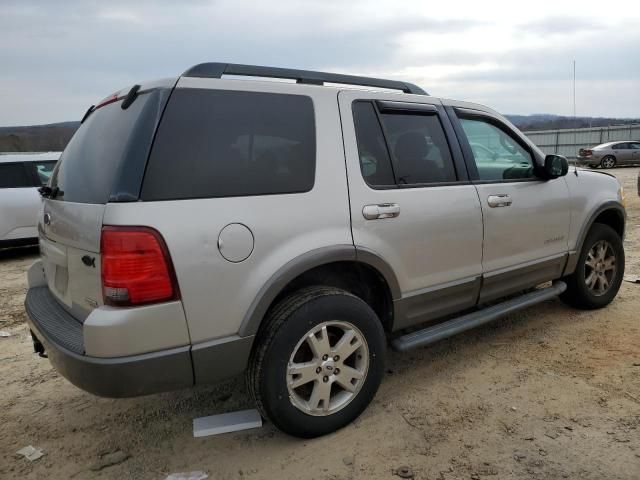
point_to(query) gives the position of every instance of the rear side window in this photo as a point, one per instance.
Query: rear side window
(14, 175)
(419, 147)
(220, 143)
(43, 171)
(408, 148)
(375, 163)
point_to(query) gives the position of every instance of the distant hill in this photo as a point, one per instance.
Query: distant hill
(37, 138)
(55, 136)
(544, 121)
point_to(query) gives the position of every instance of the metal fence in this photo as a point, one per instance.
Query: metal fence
(568, 141)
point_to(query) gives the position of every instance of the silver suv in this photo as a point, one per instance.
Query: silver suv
(200, 227)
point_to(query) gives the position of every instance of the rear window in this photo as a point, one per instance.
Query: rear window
(90, 165)
(14, 175)
(220, 143)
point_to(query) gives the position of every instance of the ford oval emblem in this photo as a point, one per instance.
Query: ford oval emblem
(47, 218)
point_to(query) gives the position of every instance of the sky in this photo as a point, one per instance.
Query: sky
(59, 57)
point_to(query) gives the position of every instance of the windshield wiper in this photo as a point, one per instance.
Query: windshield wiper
(45, 191)
(50, 192)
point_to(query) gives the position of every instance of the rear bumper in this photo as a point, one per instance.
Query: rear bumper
(62, 337)
(587, 160)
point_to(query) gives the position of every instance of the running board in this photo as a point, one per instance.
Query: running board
(471, 320)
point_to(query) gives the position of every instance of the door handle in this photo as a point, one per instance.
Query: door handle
(381, 210)
(500, 200)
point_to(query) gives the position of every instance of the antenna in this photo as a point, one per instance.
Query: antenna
(574, 90)
(575, 125)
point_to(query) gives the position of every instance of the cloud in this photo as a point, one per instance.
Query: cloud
(563, 25)
(61, 56)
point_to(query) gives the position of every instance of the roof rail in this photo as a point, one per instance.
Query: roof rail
(216, 70)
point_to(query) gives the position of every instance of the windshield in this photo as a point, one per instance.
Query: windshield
(90, 164)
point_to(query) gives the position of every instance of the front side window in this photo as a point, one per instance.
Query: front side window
(14, 175)
(497, 155)
(635, 146)
(221, 143)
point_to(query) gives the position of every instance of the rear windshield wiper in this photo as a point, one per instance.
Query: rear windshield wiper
(50, 192)
(45, 191)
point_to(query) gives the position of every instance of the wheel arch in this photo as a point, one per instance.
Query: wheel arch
(610, 213)
(357, 270)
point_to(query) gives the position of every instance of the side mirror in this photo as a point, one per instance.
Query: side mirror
(555, 166)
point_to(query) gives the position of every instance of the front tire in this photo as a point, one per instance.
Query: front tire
(608, 162)
(319, 362)
(599, 271)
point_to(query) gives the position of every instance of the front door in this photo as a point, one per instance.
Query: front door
(526, 219)
(412, 204)
(635, 148)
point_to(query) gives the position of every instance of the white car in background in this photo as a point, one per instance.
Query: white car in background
(21, 174)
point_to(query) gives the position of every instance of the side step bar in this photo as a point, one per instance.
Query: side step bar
(471, 320)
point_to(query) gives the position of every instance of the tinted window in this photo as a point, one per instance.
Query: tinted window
(216, 143)
(497, 155)
(374, 157)
(88, 167)
(14, 175)
(635, 146)
(419, 148)
(620, 146)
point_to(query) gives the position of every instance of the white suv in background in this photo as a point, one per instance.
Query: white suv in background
(21, 174)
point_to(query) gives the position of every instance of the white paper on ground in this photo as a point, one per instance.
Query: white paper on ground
(199, 475)
(226, 422)
(30, 453)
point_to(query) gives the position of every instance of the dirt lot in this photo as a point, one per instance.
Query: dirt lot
(549, 393)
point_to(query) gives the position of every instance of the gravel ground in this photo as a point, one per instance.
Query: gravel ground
(548, 393)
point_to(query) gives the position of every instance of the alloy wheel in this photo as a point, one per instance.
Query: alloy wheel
(327, 368)
(608, 163)
(600, 268)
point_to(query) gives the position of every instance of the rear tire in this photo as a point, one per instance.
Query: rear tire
(586, 286)
(330, 392)
(608, 162)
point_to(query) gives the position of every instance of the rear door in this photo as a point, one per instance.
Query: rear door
(526, 219)
(19, 202)
(411, 202)
(623, 153)
(103, 162)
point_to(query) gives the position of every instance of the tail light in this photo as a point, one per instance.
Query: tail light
(136, 267)
(107, 100)
(585, 152)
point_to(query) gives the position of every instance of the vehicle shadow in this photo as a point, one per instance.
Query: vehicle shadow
(18, 253)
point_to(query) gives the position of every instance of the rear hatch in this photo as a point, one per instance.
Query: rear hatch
(104, 162)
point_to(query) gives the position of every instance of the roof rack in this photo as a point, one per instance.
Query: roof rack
(216, 70)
